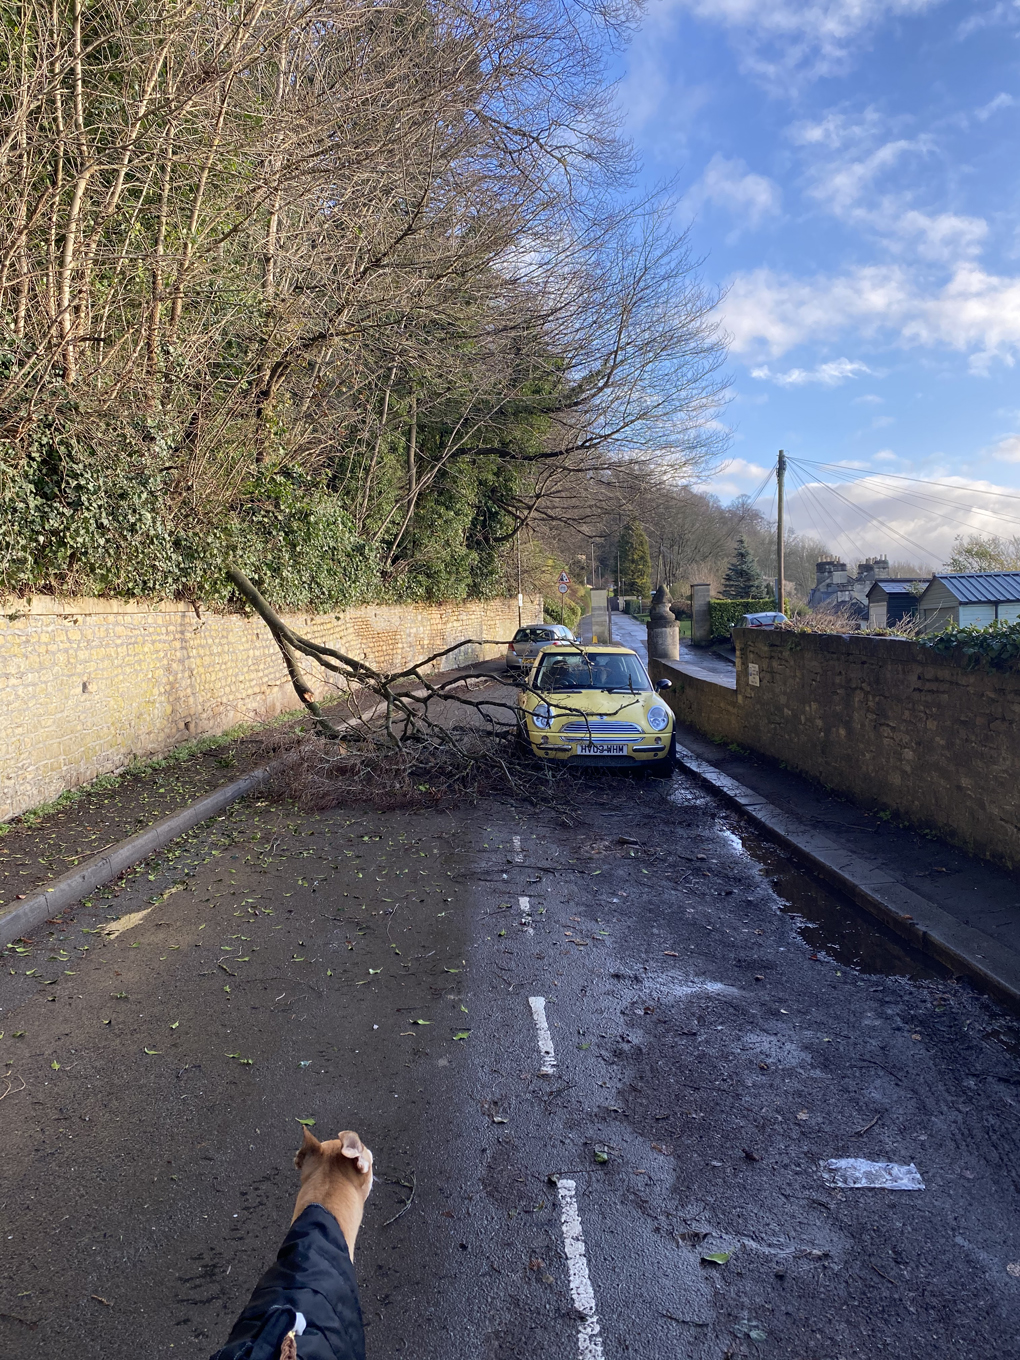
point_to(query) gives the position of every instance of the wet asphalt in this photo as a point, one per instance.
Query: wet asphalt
(719, 1029)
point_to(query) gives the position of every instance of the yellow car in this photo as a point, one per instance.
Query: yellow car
(596, 706)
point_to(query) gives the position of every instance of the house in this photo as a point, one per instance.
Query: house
(971, 597)
(893, 598)
(839, 591)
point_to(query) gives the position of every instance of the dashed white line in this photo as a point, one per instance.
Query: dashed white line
(526, 921)
(518, 852)
(589, 1342)
(545, 1043)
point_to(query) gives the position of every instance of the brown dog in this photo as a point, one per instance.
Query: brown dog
(306, 1305)
(338, 1175)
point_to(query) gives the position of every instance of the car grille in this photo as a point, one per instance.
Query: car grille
(601, 727)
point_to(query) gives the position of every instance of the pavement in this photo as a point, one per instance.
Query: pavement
(716, 1039)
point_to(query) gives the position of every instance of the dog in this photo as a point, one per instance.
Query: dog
(306, 1307)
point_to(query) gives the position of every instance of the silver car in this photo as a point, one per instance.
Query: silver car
(528, 642)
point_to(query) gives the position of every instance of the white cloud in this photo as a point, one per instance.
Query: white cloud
(729, 184)
(974, 311)
(947, 236)
(868, 399)
(877, 514)
(1001, 101)
(1007, 450)
(814, 37)
(827, 375)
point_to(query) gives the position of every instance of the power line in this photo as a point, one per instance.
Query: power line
(899, 477)
(926, 502)
(873, 519)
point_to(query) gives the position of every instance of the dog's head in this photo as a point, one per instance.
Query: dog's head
(345, 1155)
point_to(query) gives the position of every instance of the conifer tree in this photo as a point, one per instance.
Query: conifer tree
(635, 560)
(743, 580)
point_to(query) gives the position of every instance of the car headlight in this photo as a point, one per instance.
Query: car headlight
(658, 718)
(542, 716)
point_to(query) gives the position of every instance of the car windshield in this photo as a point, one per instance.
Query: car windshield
(535, 635)
(591, 670)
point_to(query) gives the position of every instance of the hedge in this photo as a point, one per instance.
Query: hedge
(571, 611)
(723, 614)
(995, 645)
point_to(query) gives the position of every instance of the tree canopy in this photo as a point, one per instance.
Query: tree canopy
(340, 293)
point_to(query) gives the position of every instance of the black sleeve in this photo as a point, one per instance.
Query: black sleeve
(313, 1276)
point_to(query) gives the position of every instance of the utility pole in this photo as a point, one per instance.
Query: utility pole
(780, 554)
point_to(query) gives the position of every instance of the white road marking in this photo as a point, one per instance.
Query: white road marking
(518, 852)
(526, 921)
(545, 1043)
(589, 1342)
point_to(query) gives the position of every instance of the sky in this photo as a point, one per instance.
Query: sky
(849, 171)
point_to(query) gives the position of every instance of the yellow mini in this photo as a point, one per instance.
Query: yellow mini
(596, 706)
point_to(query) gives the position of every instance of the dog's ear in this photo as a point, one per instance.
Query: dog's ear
(309, 1144)
(351, 1146)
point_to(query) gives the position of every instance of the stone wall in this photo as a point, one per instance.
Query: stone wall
(88, 685)
(885, 721)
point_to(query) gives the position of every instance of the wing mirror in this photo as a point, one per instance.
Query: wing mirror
(662, 684)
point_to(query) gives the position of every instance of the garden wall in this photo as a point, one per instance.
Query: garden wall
(86, 686)
(888, 722)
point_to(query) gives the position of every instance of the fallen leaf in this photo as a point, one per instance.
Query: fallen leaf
(716, 1258)
(55, 1065)
(421, 1022)
(152, 1052)
(462, 1034)
(671, 954)
(308, 1123)
(601, 1156)
(175, 1024)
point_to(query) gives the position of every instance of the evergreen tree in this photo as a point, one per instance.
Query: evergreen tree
(743, 580)
(635, 561)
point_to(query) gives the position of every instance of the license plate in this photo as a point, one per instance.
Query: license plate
(603, 748)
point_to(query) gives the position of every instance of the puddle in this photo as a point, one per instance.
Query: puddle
(830, 923)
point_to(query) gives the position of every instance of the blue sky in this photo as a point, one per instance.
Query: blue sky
(849, 168)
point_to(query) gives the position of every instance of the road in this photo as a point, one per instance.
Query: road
(360, 969)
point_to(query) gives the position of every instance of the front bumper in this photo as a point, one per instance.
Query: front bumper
(645, 749)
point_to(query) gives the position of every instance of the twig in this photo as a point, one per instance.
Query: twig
(99, 1299)
(9, 1086)
(859, 1132)
(408, 1203)
(883, 1274)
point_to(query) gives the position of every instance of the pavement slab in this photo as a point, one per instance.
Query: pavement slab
(722, 1024)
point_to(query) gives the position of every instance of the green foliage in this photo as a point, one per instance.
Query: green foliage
(635, 561)
(996, 646)
(743, 580)
(985, 552)
(571, 611)
(724, 614)
(99, 516)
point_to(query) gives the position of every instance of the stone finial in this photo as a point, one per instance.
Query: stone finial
(660, 612)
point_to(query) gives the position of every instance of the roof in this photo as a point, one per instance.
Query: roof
(898, 585)
(980, 587)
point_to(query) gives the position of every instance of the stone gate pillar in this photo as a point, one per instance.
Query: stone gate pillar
(663, 629)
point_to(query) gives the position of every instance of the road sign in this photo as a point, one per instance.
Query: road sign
(563, 587)
(564, 579)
